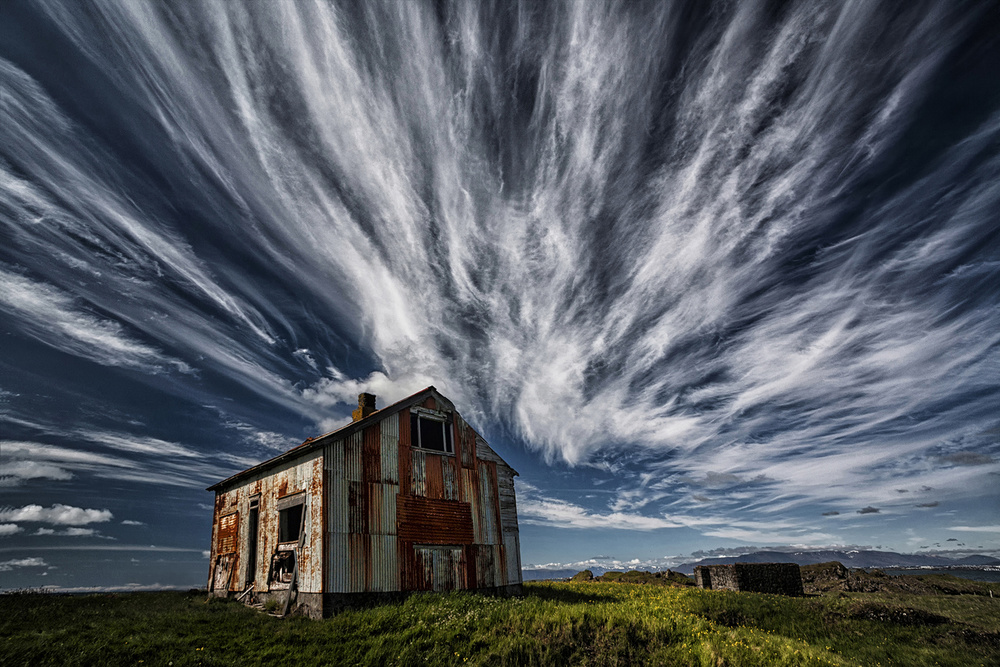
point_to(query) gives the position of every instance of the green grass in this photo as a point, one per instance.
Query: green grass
(555, 623)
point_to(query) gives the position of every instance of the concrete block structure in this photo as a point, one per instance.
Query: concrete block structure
(775, 578)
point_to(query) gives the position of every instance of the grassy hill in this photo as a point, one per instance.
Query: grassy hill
(588, 623)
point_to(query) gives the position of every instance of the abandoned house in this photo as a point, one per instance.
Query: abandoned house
(406, 498)
(774, 578)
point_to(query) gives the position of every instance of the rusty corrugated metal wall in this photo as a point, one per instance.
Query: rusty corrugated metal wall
(380, 514)
(402, 518)
(231, 527)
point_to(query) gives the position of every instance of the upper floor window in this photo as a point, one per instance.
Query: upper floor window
(431, 433)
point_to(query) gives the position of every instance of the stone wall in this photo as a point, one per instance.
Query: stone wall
(775, 578)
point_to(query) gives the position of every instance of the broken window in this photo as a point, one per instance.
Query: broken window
(290, 509)
(429, 433)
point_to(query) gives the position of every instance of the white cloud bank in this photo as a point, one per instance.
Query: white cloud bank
(58, 514)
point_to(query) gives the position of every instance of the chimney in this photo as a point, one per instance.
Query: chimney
(366, 406)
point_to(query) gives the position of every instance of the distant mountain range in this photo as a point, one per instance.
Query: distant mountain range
(853, 559)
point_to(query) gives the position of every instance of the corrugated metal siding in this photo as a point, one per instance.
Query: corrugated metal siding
(441, 568)
(338, 571)
(434, 521)
(382, 511)
(229, 530)
(382, 516)
(359, 578)
(337, 510)
(389, 451)
(364, 551)
(372, 453)
(352, 457)
(508, 503)
(385, 563)
(303, 475)
(435, 477)
(488, 516)
(418, 472)
(512, 551)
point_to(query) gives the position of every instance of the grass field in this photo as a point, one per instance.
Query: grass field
(554, 624)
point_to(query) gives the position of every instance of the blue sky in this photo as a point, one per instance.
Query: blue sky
(709, 276)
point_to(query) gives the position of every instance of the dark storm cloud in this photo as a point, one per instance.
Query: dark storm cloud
(702, 245)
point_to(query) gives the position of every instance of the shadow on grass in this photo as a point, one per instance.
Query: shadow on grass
(553, 594)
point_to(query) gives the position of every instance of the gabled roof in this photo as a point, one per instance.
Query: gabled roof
(312, 444)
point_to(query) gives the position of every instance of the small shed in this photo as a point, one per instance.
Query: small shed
(775, 578)
(406, 498)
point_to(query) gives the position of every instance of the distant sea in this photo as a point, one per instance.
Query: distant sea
(992, 576)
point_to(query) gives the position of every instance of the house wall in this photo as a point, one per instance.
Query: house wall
(382, 517)
(404, 519)
(303, 475)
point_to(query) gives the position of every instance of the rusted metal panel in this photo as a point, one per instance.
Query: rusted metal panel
(508, 503)
(466, 443)
(229, 533)
(357, 510)
(487, 508)
(371, 456)
(449, 485)
(435, 480)
(333, 457)
(405, 453)
(385, 568)
(418, 472)
(338, 564)
(359, 563)
(382, 508)
(389, 450)
(470, 490)
(298, 476)
(441, 568)
(338, 506)
(434, 521)
(353, 446)
(512, 551)
(430, 403)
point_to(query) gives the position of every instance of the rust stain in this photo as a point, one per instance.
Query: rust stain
(433, 521)
(405, 453)
(371, 453)
(435, 479)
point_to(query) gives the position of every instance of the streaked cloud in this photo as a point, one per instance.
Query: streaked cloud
(51, 316)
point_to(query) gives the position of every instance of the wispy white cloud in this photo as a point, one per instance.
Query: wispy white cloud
(739, 320)
(51, 316)
(9, 529)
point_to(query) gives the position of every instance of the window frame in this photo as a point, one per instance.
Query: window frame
(285, 504)
(443, 418)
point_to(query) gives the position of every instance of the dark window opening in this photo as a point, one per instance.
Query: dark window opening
(252, 529)
(290, 523)
(430, 434)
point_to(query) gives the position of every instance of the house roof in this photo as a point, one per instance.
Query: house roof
(312, 444)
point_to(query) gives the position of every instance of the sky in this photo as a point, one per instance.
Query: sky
(709, 275)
